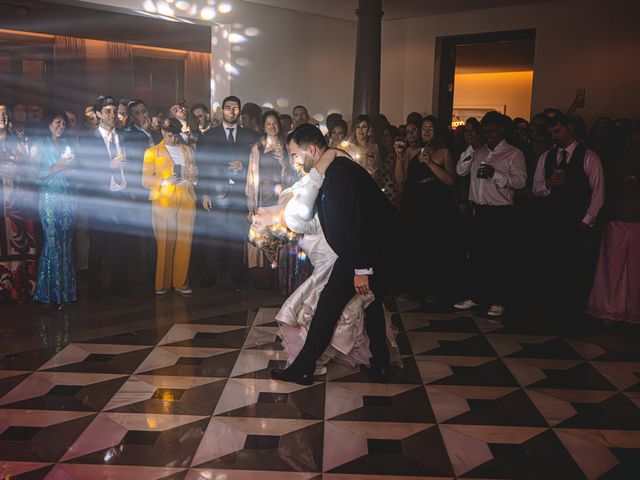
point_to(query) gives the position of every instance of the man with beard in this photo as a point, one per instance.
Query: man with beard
(362, 227)
(570, 180)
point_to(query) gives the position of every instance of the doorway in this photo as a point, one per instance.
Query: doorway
(483, 72)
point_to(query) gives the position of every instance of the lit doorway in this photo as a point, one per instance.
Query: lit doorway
(479, 73)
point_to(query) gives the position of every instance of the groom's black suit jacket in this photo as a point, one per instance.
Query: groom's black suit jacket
(358, 221)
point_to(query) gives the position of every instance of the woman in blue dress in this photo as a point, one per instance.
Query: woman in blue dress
(52, 156)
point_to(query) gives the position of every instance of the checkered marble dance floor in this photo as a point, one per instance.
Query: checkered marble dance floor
(193, 400)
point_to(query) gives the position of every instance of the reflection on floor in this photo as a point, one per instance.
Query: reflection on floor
(180, 390)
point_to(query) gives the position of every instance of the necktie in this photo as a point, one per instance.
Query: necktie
(111, 145)
(230, 136)
(563, 159)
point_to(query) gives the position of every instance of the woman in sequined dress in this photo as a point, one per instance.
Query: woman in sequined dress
(17, 223)
(53, 157)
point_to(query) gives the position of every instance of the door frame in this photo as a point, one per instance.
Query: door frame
(445, 64)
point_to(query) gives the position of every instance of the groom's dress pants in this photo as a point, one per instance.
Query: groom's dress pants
(334, 297)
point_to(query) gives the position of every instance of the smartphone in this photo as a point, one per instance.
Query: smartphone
(177, 171)
(400, 140)
(581, 94)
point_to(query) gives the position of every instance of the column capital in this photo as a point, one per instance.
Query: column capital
(369, 8)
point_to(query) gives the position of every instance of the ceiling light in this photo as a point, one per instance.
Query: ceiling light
(207, 13)
(237, 38)
(149, 6)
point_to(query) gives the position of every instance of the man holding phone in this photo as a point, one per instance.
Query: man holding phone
(497, 169)
(570, 180)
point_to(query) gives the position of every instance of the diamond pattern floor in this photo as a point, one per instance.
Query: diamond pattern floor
(191, 399)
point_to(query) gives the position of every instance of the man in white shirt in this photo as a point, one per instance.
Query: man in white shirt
(497, 169)
(223, 156)
(106, 195)
(570, 181)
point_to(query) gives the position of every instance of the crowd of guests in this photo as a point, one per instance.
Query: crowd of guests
(503, 213)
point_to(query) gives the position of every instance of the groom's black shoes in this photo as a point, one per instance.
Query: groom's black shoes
(285, 375)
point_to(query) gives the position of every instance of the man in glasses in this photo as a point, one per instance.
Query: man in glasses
(223, 155)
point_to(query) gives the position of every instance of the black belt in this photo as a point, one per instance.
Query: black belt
(476, 207)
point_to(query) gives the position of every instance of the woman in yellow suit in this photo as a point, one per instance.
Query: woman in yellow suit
(170, 172)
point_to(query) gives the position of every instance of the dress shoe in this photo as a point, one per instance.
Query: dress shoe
(320, 370)
(185, 292)
(467, 304)
(285, 375)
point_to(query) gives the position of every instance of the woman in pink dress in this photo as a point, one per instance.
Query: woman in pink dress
(616, 289)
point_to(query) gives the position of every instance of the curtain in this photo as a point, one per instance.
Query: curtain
(121, 69)
(69, 56)
(198, 78)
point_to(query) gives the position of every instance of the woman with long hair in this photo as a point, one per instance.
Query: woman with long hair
(270, 172)
(405, 147)
(53, 158)
(428, 205)
(362, 147)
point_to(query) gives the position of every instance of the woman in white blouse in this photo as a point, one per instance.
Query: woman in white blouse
(170, 172)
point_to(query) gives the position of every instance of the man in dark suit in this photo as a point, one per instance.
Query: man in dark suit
(105, 191)
(360, 225)
(223, 156)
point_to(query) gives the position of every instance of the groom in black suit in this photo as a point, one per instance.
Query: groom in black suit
(360, 225)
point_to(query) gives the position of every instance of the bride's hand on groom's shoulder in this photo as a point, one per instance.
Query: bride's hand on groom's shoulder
(325, 160)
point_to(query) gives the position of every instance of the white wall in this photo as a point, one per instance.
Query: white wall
(305, 59)
(579, 44)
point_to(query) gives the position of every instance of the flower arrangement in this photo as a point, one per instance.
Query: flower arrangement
(271, 239)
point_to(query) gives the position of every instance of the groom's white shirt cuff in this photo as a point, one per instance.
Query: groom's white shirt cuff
(364, 271)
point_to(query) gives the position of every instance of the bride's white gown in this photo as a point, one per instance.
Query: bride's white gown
(350, 343)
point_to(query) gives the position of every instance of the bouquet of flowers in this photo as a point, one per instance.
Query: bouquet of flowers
(271, 239)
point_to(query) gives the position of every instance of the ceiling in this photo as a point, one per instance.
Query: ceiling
(394, 9)
(74, 19)
(511, 56)
(342, 9)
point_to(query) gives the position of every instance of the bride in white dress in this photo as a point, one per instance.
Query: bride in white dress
(350, 343)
